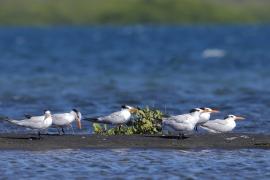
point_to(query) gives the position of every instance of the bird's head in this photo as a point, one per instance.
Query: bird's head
(209, 110)
(234, 117)
(196, 110)
(47, 114)
(129, 108)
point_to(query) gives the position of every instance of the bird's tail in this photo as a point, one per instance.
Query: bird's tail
(165, 129)
(12, 121)
(91, 119)
(4, 118)
(16, 122)
(208, 129)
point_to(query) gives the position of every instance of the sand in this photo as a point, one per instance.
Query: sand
(198, 141)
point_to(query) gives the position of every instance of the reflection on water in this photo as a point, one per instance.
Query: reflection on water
(134, 164)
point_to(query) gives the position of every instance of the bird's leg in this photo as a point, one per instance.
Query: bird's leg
(181, 136)
(196, 128)
(59, 132)
(46, 132)
(39, 135)
(63, 131)
(223, 135)
(105, 127)
(72, 129)
(120, 127)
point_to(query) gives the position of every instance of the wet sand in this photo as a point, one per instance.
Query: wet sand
(198, 141)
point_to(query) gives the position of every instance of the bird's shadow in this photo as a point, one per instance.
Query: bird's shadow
(167, 136)
(23, 138)
(30, 137)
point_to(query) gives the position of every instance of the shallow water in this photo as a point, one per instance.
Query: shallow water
(96, 69)
(134, 164)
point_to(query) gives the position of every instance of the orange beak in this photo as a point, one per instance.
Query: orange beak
(133, 110)
(214, 111)
(211, 111)
(239, 118)
(79, 124)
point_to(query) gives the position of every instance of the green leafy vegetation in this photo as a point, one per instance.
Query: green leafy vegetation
(87, 12)
(147, 121)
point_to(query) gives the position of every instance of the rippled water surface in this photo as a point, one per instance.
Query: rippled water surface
(134, 164)
(96, 69)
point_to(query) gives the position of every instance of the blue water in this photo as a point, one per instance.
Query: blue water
(136, 164)
(96, 69)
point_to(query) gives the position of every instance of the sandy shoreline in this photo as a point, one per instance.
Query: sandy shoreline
(202, 141)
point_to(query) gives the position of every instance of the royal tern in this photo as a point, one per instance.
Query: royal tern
(35, 122)
(116, 118)
(182, 123)
(221, 126)
(62, 120)
(205, 116)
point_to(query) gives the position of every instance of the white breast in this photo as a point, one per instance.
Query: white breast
(185, 122)
(126, 114)
(63, 119)
(47, 122)
(204, 117)
(230, 125)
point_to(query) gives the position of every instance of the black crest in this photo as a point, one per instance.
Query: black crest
(75, 110)
(194, 110)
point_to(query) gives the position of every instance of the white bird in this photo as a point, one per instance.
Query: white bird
(221, 126)
(205, 116)
(182, 123)
(63, 120)
(116, 118)
(35, 122)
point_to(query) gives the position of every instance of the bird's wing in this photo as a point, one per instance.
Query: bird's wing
(166, 116)
(92, 119)
(110, 118)
(215, 124)
(61, 116)
(209, 130)
(182, 118)
(28, 116)
(37, 118)
(175, 123)
(58, 117)
(105, 119)
(61, 119)
(217, 121)
(33, 123)
(169, 121)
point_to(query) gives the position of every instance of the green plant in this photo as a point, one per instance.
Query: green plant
(146, 121)
(93, 12)
(97, 128)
